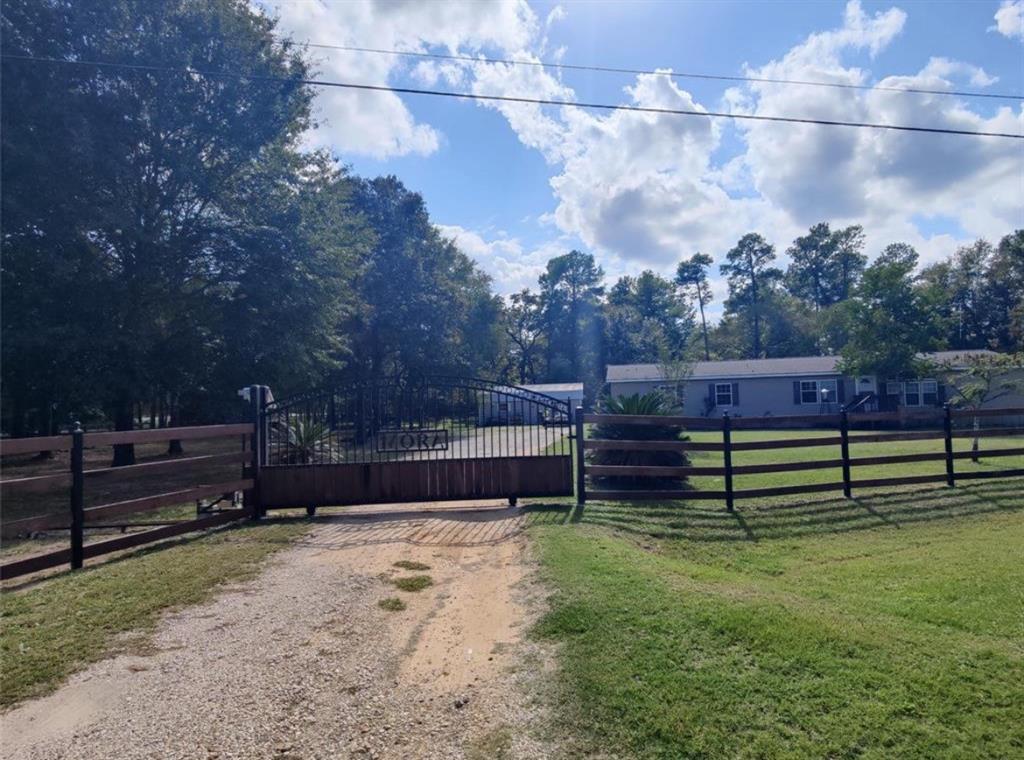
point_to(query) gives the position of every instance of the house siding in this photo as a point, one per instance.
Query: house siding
(758, 397)
(774, 396)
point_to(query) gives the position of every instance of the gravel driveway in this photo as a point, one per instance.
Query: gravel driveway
(302, 662)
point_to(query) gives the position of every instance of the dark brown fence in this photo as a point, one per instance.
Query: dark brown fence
(841, 439)
(79, 519)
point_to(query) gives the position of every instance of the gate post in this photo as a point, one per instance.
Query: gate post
(257, 401)
(947, 430)
(581, 482)
(727, 456)
(77, 497)
(844, 448)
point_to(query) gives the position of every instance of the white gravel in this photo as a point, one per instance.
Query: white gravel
(302, 663)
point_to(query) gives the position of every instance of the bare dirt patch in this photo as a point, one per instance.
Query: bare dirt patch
(302, 662)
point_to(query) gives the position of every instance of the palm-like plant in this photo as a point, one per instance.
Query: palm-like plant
(648, 404)
(303, 441)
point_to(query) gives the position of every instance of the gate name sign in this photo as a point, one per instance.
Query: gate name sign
(412, 440)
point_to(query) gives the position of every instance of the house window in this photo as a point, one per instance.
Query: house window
(921, 393)
(912, 394)
(930, 392)
(892, 389)
(723, 394)
(813, 391)
(808, 392)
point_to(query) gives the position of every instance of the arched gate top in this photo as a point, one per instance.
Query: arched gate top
(422, 382)
(421, 418)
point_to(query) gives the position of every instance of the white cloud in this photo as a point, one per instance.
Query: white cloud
(512, 265)
(880, 178)
(557, 14)
(939, 70)
(375, 123)
(642, 190)
(1010, 19)
(537, 127)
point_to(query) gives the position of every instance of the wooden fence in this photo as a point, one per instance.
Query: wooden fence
(841, 439)
(78, 519)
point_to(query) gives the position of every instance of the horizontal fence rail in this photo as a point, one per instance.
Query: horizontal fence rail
(10, 446)
(37, 562)
(842, 440)
(80, 518)
(651, 445)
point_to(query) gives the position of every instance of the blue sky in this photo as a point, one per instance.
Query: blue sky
(514, 185)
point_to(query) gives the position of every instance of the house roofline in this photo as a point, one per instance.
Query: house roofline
(955, 359)
(691, 378)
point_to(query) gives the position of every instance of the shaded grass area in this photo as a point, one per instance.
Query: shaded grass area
(885, 626)
(57, 626)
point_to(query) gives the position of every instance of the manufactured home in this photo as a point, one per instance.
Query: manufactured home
(799, 385)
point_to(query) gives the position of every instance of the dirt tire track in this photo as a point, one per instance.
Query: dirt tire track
(302, 663)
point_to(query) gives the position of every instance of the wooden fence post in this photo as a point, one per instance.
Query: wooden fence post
(77, 497)
(947, 429)
(581, 481)
(844, 447)
(256, 398)
(727, 453)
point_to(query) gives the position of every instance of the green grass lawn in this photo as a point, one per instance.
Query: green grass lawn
(887, 626)
(58, 625)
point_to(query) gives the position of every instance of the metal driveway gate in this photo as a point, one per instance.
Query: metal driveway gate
(425, 439)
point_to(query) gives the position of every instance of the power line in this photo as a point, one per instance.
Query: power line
(674, 74)
(515, 99)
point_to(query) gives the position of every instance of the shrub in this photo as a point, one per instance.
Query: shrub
(301, 441)
(413, 583)
(408, 564)
(654, 404)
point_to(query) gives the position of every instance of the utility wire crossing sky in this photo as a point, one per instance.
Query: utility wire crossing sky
(662, 72)
(514, 99)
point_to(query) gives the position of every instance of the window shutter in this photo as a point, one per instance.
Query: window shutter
(796, 392)
(735, 394)
(841, 390)
(942, 394)
(711, 394)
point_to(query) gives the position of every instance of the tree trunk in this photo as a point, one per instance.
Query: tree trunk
(124, 453)
(757, 317)
(18, 427)
(974, 444)
(46, 427)
(575, 338)
(704, 326)
(757, 334)
(174, 448)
